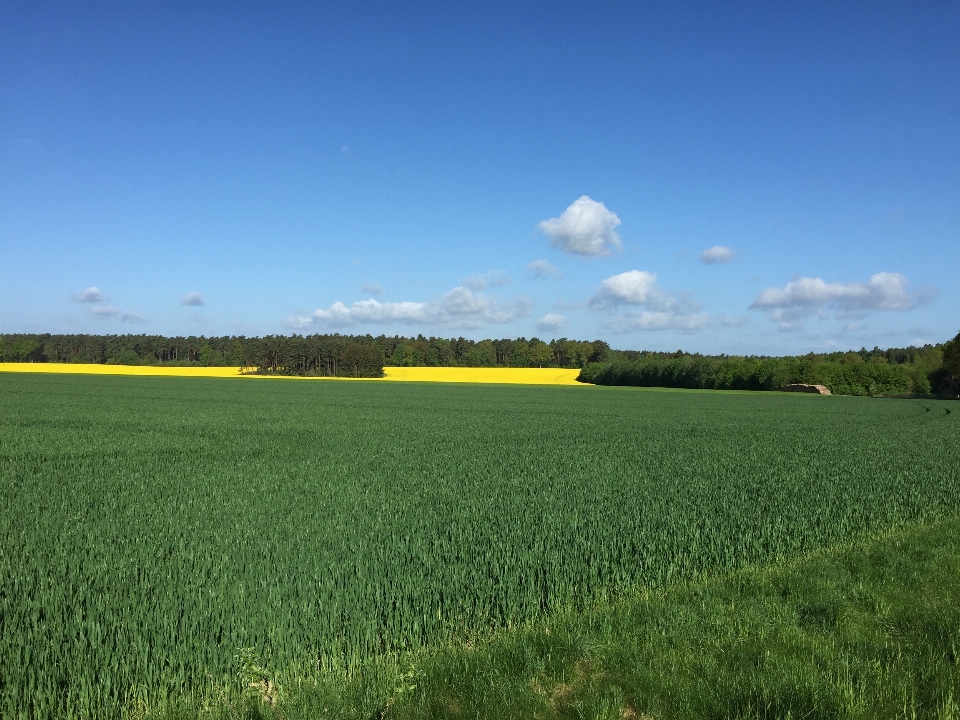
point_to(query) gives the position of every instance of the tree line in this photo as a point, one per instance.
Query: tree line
(325, 355)
(931, 369)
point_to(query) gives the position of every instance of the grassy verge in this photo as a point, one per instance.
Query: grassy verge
(868, 630)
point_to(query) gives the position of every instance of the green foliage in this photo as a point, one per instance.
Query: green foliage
(699, 372)
(151, 526)
(951, 357)
(255, 679)
(539, 353)
(362, 361)
(21, 349)
(208, 356)
(919, 379)
(483, 354)
(128, 357)
(237, 355)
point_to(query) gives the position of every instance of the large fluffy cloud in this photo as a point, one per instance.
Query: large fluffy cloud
(808, 296)
(459, 308)
(628, 292)
(584, 228)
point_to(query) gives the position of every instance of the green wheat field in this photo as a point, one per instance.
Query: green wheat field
(162, 537)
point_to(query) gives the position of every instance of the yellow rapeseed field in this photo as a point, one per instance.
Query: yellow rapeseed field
(511, 376)
(91, 369)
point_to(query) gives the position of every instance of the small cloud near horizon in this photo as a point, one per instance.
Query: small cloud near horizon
(458, 308)
(551, 323)
(105, 312)
(98, 306)
(192, 299)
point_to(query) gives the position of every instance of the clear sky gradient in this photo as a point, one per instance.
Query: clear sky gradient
(725, 178)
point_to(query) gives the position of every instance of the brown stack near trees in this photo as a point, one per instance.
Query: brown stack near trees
(803, 387)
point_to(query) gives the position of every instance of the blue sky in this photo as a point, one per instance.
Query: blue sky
(723, 178)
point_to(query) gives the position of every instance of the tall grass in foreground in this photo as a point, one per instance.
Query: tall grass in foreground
(865, 630)
(151, 528)
(871, 630)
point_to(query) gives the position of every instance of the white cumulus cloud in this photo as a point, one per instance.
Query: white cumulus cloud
(639, 287)
(551, 323)
(661, 310)
(459, 308)
(92, 294)
(587, 227)
(807, 296)
(543, 269)
(634, 287)
(717, 254)
(192, 299)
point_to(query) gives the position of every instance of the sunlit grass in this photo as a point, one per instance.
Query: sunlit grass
(508, 376)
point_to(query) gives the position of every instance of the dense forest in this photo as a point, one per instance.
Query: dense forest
(328, 355)
(912, 370)
(931, 369)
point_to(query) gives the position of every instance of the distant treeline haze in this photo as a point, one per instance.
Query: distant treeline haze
(917, 370)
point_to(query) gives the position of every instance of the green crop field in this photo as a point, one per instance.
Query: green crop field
(152, 527)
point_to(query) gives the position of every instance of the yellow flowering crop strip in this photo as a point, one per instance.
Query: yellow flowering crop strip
(96, 369)
(511, 376)
(508, 376)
